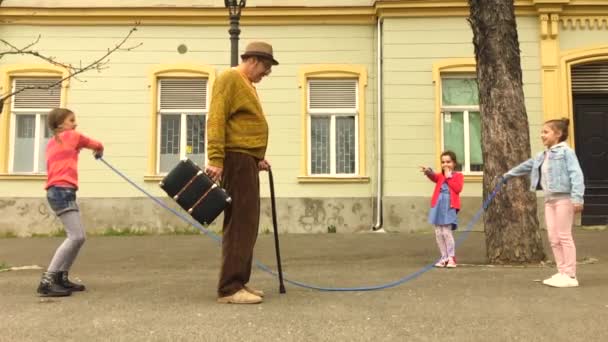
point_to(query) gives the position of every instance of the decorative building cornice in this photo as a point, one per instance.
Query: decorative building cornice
(575, 11)
(187, 16)
(584, 22)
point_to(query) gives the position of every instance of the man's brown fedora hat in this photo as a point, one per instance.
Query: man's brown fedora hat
(260, 49)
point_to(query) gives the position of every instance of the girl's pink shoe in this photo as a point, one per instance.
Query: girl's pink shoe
(451, 262)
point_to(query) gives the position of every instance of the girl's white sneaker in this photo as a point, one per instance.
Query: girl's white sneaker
(561, 280)
(551, 277)
(451, 262)
(441, 263)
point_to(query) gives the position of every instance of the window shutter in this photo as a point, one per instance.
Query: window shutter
(590, 78)
(332, 94)
(183, 93)
(38, 93)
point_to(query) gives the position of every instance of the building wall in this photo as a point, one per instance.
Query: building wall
(411, 47)
(581, 37)
(114, 106)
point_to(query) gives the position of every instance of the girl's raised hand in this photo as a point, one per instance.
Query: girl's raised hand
(424, 169)
(98, 153)
(447, 172)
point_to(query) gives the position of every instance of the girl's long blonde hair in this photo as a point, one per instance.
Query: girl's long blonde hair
(55, 118)
(560, 126)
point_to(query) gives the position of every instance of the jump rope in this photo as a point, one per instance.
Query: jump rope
(279, 273)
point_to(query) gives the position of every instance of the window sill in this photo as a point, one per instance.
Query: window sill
(333, 179)
(473, 178)
(22, 177)
(153, 178)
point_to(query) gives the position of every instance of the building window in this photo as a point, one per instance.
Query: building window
(29, 130)
(182, 110)
(461, 121)
(333, 123)
(332, 127)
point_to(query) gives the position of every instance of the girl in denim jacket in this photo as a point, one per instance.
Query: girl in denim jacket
(557, 171)
(62, 182)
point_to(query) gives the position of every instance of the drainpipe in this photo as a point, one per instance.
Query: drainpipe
(377, 227)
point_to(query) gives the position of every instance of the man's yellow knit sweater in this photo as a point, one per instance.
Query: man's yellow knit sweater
(236, 121)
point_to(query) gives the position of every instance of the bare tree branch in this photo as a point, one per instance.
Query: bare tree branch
(73, 71)
(26, 50)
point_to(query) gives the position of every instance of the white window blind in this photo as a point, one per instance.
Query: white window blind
(590, 78)
(183, 93)
(38, 93)
(332, 94)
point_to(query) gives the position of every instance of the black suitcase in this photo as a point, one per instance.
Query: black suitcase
(194, 191)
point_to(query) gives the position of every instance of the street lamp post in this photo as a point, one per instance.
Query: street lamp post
(234, 8)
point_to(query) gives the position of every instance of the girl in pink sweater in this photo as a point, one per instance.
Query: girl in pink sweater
(62, 182)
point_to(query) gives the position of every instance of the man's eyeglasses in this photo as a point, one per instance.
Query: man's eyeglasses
(267, 66)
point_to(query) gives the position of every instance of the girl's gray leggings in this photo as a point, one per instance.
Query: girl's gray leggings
(66, 253)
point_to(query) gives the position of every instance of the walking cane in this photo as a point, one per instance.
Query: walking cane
(276, 231)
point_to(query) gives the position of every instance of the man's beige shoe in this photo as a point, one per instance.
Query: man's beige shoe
(258, 293)
(241, 297)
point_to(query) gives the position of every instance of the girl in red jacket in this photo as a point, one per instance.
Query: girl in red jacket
(445, 205)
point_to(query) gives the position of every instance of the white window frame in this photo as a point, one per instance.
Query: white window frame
(332, 113)
(38, 134)
(183, 122)
(466, 165)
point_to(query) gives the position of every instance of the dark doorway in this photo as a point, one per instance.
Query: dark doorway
(591, 139)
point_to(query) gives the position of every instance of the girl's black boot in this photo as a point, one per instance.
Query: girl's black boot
(65, 282)
(50, 286)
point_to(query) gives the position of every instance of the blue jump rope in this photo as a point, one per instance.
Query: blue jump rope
(279, 274)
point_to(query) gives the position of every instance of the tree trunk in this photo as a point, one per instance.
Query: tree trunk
(510, 223)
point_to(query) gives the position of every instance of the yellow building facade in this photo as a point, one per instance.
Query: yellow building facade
(365, 93)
